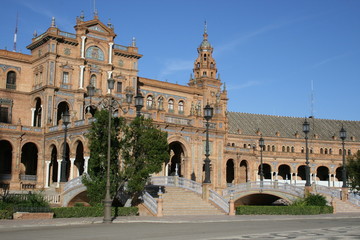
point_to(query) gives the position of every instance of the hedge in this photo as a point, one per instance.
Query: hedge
(283, 210)
(97, 211)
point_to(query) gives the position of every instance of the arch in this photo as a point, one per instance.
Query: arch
(301, 172)
(283, 148)
(29, 158)
(176, 164)
(79, 157)
(230, 172)
(266, 170)
(149, 102)
(62, 107)
(5, 157)
(54, 164)
(181, 107)
(263, 199)
(93, 81)
(244, 171)
(284, 171)
(94, 52)
(11, 80)
(273, 148)
(338, 174)
(37, 113)
(171, 105)
(292, 149)
(160, 103)
(322, 173)
(321, 151)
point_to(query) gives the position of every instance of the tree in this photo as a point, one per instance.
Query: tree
(95, 181)
(353, 171)
(144, 149)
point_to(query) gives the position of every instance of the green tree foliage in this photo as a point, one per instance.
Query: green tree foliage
(144, 149)
(353, 171)
(95, 181)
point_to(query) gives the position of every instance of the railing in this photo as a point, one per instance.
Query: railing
(354, 198)
(150, 202)
(73, 183)
(5, 176)
(28, 177)
(66, 34)
(54, 199)
(178, 182)
(266, 185)
(327, 191)
(120, 47)
(219, 201)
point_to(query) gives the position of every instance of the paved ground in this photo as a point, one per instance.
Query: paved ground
(330, 226)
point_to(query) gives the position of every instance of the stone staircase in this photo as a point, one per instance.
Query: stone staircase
(179, 201)
(345, 207)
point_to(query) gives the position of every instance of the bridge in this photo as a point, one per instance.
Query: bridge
(255, 193)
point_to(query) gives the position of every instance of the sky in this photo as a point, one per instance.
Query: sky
(294, 58)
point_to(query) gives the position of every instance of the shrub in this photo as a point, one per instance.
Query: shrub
(283, 210)
(315, 200)
(94, 211)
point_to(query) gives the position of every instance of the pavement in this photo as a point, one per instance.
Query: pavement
(6, 224)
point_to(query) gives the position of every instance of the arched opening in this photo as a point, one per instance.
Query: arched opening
(79, 159)
(67, 160)
(266, 171)
(260, 199)
(54, 164)
(230, 171)
(284, 172)
(338, 174)
(322, 173)
(302, 172)
(91, 109)
(176, 163)
(11, 80)
(62, 107)
(29, 159)
(5, 160)
(243, 171)
(37, 113)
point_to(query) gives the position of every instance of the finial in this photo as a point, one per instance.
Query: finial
(224, 88)
(82, 17)
(53, 22)
(205, 27)
(191, 76)
(35, 34)
(133, 42)
(96, 14)
(109, 24)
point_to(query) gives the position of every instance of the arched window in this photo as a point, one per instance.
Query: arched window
(288, 149)
(93, 80)
(302, 150)
(292, 149)
(326, 151)
(11, 80)
(330, 151)
(273, 148)
(149, 102)
(245, 145)
(204, 73)
(268, 148)
(205, 57)
(181, 107)
(321, 151)
(283, 148)
(340, 151)
(161, 103)
(349, 152)
(171, 105)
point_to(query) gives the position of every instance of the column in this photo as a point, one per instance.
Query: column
(72, 160)
(83, 46)
(296, 176)
(276, 176)
(47, 167)
(86, 164)
(291, 177)
(59, 173)
(110, 52)
(329, 183)
(272, 176)
(32, 116)
(109, 76)
(81, 82)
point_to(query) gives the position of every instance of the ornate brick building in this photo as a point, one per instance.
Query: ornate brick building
(36, 89)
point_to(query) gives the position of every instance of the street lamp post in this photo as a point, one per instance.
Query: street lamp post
(108, 103)
(261, 144)
(343, 137)
(139, 103)
(208, 114)
(306, 130)
(66, 121)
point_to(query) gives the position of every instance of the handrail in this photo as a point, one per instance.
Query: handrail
(178, 182)
(150, 202)
(219, 201)
(73, 183)
(354, 198)
(327, 191)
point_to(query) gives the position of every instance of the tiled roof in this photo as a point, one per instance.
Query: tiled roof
(287, 127)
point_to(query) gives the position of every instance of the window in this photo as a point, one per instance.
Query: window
(273, 148)
(283, 148)
(321, 151)
(340, 151)
(119, 87)
(149, 102)
(181, 107)
(4, 114)
(11, 80)
(65, 79)
(93, 80)
(171, 105)
(288, 149)
(302, 150)
(326, 151)
(205, 57)
(204, 73)
(161, 103)
(292, 149)
(349, 152)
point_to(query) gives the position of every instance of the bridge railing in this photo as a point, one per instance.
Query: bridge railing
(327, 191)
(219, 201)
(73, 183)
(265, 185)
(354, 198)
(178, 182)
(150, 202)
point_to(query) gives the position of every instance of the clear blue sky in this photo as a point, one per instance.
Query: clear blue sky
(268, 52)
